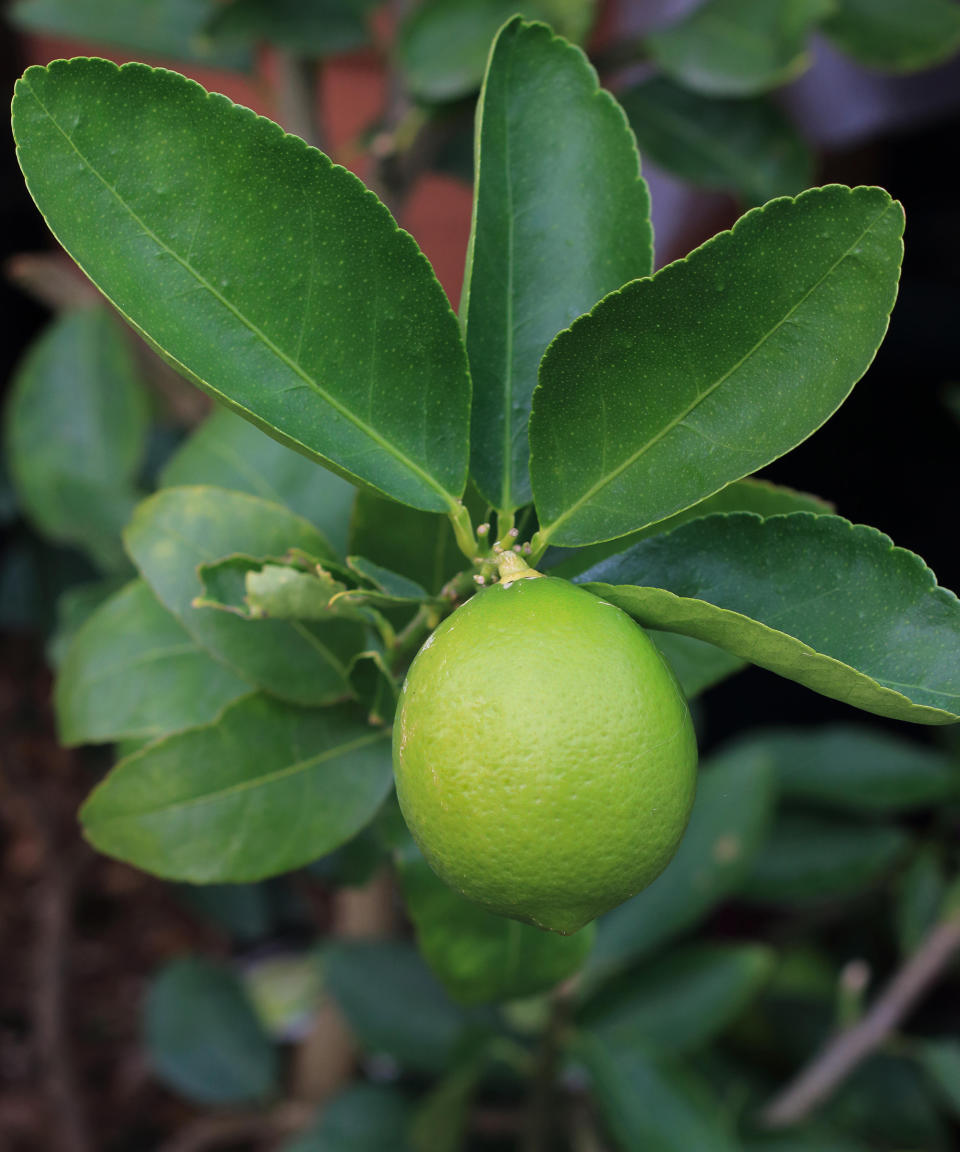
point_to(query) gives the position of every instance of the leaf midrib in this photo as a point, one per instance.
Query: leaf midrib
(361, 425)
(548, 531)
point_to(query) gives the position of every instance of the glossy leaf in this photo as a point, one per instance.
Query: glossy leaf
(677, 1002)
(363, 1118)
(269, 276)
(675, 386)
(443, 46)
(76, 431)
(730, 819)
(696, 665)
(264, 789)
(813, 858)
(648, 1104)
(920, 895)
(478, 956)
(179, 529)
(158, 27)
(203, 1038)
(895, 37)
(229, 452)
(738, 47)
(320, 28)
(832, 605)
(747, 147)
(561, 217)
(393, 1003)
(861, 769)
(133, 672)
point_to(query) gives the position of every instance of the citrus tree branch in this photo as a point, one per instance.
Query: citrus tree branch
(838, 1058)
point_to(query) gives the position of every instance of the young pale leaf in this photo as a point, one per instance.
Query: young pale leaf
(203, 1038)
(133, 672)
(729, 822)
(179, 529)
(808, 859)
(75, 434)
(316, 29)
(561, 217)
(393, 1003)
(266, 274)
(674, 386)
(860, 769)
(171, 28)
(229, 452)
(478, 956)
(265, 788)
(747, 147)
(894, 36)
(677, 1002)
(832, 605)
(364, 1118)
(738, 47)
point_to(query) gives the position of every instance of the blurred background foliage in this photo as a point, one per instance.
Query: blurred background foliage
(359, 1004)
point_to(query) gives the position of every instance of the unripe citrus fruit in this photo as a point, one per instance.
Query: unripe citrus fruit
(544, 755)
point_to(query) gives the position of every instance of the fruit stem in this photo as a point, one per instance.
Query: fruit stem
(463, 530)
(512, 566)
(539, 1128)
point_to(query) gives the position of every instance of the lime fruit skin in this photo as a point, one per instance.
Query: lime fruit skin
(544, 754)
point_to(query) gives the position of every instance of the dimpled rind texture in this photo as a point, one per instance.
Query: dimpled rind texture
(544, 754)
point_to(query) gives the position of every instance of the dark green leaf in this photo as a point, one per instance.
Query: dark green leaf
(266, 788)
(441, 1120)
(832, 605)
(861, 769)
(374, 686)
(229, 452)
(651, 1106)
(813, 858)
(179, 529)
(674, 386)
(894, 36)
(132, 672)
(389, 584)
(561, 217)
(814, 1141)
(443, 46)
(364, 1118)
(921, 891)
(886, 1102)
(729, 822)
(748, 147)
(679, 1001)
(696, 665)
(269, 276)
(393, 1004)
(159, 27)
(478, 956)
(242, 910)
(738, 47)
(941, 1059)
(203, 1037)
(75, 434)
(319, 28)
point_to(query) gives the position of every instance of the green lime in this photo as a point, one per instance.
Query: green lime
(544, 754)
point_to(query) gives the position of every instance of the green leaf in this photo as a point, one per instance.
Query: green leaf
(747, 147)
(264, 789)
(697, 666)
(244, 911)
(444, 44)
(851, 767)
(887, 1103)
(895, 37)
(228, 452)
(76, 429)
(920, 895)
(323, 28)
(159, 27)
(941, 1061)
(649, 1105)
(674, 386)
(804, 1141)
(133, 672)
(178, 529)
(393, 1004)
(561, 217)
(442, 1117)
(364, 1118)
(808, 859)
(478, 956)
(679, 1001)
(832, 605)
(729, 822)
(203, 1038)
(738, 47)
(266, 274)
(74, 608)
(390, 585)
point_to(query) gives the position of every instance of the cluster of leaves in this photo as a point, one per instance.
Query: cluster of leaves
(246, 668)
